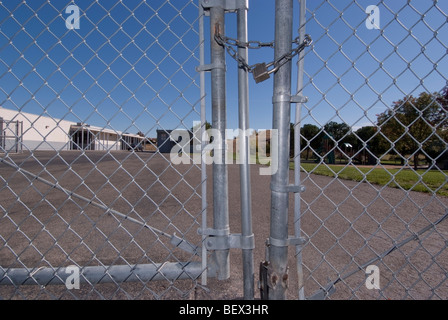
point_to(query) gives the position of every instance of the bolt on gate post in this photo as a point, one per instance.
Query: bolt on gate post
(278, 250)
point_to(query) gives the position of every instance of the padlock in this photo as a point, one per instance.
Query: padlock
(260, 72)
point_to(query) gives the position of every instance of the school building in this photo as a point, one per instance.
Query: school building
(20, 131)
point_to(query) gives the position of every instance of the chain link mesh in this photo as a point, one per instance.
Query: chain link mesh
(374, 150)
(94, 83)
(97, 100)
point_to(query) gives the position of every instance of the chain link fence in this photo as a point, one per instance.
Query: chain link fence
(92, 203)
(93, 207)
(373, 150)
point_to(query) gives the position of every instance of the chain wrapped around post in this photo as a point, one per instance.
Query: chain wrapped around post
(260, 71)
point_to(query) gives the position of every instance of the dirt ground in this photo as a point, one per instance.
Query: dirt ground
(346, 224)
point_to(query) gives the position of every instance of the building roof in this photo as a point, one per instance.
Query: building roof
(31, 116)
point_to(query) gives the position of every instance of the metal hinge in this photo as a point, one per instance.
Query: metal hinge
(291, 241)
(222, 240)
(210, 67)
(290, 99)
(287, 188)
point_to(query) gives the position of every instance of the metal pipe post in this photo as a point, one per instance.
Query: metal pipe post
(297, 150)
(219, 122)
(203, 143)
(246, 199)
(278, 250)
(2, 144)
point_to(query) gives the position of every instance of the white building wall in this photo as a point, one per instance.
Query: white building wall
(107, 141)
(40, 132)
(46, 133)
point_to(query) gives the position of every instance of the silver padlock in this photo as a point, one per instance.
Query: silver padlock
(260, 72)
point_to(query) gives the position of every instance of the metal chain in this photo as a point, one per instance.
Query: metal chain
(222, 40)
(290, 55)
(229, 43)
(250, 44)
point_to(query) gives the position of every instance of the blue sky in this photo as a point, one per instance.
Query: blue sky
(131, 65)
(350, 84)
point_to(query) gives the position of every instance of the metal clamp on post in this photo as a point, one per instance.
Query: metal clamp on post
(291, 241)
(290, 99)
(214, 232)
(287, 188)
(210, 67)
(222, 240)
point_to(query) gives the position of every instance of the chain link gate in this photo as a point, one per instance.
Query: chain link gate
(370, 209)
(93, 203)
(372, 151)
(96, 204)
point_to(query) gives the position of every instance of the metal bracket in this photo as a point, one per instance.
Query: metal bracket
(222, 240)
(291, 241)
(227, 5)
(290, 99)
(287, 188)
(214, 232)
(209, 67)
(232, 241)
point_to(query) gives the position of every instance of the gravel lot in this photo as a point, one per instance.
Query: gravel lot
(346, 223)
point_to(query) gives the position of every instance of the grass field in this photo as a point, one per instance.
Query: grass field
(421, 180)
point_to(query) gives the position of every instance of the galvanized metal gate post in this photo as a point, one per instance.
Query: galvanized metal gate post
(203, 143)
(219, 123)
(278, 241)
(245, 187)
(219, 239)
(297, 151)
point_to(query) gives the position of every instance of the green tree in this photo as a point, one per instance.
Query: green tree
(338, 131)
(414, 124)
(310, 138)
(369, 136)
(198, 126)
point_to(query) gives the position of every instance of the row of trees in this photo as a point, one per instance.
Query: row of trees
(413, 126)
